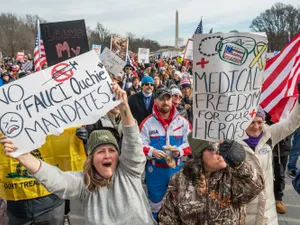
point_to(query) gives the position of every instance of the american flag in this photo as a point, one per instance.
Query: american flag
(128, 60)
(39, 50)
(199, 28)
(282, 72)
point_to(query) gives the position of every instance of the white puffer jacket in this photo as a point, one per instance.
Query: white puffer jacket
(262, 210)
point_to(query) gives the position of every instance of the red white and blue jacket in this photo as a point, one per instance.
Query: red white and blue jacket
(157, 132)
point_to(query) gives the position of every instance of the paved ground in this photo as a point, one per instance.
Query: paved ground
(291, 200)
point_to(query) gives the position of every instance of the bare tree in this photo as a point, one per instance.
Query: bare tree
(278, 22)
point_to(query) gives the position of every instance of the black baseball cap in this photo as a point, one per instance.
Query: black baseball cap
(160, 93)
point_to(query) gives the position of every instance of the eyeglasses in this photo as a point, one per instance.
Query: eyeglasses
(148, 84)
(128, 68)
(177, 96)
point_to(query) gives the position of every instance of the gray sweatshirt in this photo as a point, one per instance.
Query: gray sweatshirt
(124, 203)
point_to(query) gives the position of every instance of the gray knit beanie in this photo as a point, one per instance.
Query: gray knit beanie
(101, 137)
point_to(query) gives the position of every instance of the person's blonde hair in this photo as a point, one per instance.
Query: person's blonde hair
(92, 180)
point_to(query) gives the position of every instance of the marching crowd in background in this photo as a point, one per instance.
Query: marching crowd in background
(147, 141)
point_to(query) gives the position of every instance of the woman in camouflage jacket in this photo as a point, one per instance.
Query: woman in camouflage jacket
(212, 188)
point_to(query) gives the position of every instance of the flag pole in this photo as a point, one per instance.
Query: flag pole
(39, 35)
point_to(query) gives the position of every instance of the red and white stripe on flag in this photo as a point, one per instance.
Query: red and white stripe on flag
(39, 53)
(282, 72)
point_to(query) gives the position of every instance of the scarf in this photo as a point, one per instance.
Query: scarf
(253, 141)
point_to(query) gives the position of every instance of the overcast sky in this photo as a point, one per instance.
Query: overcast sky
(153, 19)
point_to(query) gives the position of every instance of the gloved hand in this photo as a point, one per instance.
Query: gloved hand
(82, 133)
(233, 152)
(298, 87)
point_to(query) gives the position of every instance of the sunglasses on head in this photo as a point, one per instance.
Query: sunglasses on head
(148, 84)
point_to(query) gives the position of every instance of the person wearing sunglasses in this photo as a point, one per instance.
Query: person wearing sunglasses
(176, 100)
(141, 103)
(213, 187)
(128, 76)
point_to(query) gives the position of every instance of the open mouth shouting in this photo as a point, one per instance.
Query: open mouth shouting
(107, 164)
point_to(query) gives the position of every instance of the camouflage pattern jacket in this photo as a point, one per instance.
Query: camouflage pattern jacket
(215, 199)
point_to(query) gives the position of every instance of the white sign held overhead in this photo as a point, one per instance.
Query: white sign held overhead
(188, 53)
(113, 63)
(143, 55)
(71, 93)
(228, 76)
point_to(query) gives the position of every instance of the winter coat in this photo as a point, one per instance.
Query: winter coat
(283, 148)
(138, 107)
(182, 111)
(212, 200)
(173, 82)
(187, 100)
(262, 210)
(131, 91)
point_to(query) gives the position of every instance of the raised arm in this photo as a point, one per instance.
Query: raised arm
(67, 185)
(132, 158)
(247, 183)
(285, 127)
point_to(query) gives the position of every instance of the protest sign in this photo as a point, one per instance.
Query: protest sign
(20, 56)
(228, 75)
(27, 66)
(64, 40)
(97, 49)
(65, 151)
(113, 63)
(119, 46)
(71, 93)
(188, 53)
(143, 55)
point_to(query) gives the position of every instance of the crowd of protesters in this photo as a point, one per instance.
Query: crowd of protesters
(148, 139)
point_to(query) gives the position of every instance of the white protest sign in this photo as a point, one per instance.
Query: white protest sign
(143, 55)
(113, 63)
(71, 93)
(228, 75)
(188, 54)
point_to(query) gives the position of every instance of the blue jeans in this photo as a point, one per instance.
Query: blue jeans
(295, 151)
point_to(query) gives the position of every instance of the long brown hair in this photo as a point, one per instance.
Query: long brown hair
(92, 179)
(192, 168)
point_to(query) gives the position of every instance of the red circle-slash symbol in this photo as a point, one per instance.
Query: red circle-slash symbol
(62, 72)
